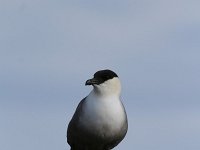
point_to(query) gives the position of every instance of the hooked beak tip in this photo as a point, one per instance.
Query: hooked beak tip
(88, 82)
(91, 81)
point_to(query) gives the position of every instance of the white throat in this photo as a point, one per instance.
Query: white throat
(104, 108)
(108, 88)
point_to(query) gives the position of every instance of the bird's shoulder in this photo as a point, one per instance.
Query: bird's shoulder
(73, 126)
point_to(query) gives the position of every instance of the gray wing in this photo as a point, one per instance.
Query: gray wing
(73, 133)
(80, 138)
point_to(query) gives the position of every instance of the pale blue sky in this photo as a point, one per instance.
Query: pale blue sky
(48, 49)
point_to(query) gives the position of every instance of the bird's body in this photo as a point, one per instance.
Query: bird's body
(100, 121)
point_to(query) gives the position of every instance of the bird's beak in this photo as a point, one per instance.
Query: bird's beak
(92, 81)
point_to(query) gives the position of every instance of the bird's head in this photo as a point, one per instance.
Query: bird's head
(105, 82)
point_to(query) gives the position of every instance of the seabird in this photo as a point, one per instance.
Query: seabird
(100, 120)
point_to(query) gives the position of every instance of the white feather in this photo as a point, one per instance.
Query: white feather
(103, 108)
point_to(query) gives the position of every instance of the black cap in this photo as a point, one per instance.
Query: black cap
(101, 76)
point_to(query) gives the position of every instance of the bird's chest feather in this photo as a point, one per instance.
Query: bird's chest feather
(104, 114)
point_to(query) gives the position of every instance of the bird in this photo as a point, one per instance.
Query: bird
(100, 120)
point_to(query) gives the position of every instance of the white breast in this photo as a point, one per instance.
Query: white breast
(103, 113)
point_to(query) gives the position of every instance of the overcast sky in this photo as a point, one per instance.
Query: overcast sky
(49, 48)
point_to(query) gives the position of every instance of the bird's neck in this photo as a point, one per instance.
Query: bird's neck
(105, 93)
(109, 88)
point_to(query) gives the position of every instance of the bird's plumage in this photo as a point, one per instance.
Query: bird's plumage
(100, 121)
